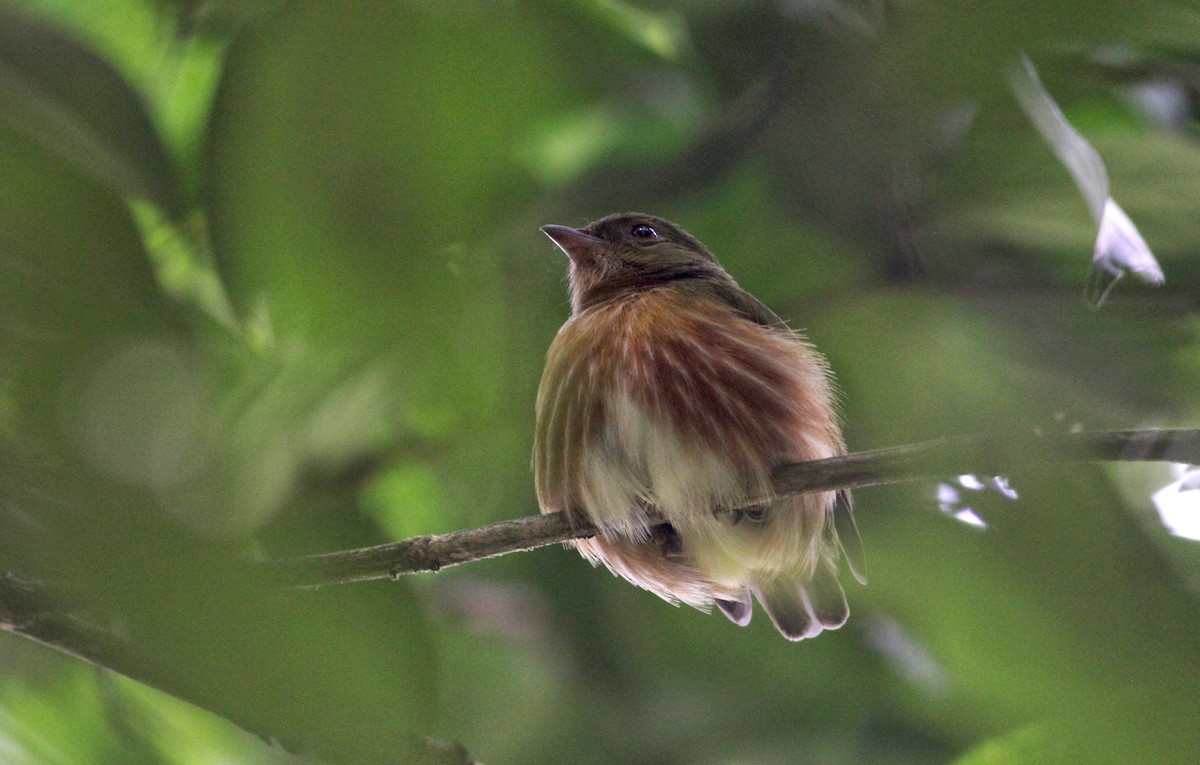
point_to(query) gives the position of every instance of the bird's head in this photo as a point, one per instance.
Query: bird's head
(628, 252)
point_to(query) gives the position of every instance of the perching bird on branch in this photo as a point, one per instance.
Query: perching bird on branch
(668, 398)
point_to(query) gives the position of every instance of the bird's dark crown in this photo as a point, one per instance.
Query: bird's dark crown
(619, 229)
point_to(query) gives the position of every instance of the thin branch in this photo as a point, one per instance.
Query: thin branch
(27, 610)
(988, 455)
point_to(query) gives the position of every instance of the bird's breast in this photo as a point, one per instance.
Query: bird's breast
(664, 400)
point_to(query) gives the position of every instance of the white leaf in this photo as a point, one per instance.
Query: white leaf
(1071, 148)
(1119, 249)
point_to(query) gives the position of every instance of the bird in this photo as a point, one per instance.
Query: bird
(669, 396)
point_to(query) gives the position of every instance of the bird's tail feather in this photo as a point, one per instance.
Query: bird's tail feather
(739, 610)
(804, 609)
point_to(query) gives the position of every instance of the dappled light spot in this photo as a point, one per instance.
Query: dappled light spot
(970, 518)
(968, 481)
(137, 415)
(909, 658)
(1178, 503)
(954, 500)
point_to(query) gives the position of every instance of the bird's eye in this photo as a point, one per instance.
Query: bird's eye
(642, 231)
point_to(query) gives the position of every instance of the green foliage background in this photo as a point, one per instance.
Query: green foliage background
(271, 283)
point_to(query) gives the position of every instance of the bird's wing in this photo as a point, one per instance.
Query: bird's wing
(753, 309)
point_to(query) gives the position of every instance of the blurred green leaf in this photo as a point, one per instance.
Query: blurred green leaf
(66, 720)
(354, 190)
(165, 55)
(1025, 746)
(224, 17)
(76, 282)
(122, 436)
(66, 98)
(964, 50)
(663, 33)
(406, 500)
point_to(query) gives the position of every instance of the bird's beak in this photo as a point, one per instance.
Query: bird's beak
(578, 245)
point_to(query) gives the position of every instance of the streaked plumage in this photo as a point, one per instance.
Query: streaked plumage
(672, 388)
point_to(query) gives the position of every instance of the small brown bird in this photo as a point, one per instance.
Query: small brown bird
(668, 398)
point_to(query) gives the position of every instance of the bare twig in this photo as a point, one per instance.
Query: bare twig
(28, 610)
(971, 454)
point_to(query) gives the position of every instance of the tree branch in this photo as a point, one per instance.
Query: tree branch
(986, 454)
(27, 610)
